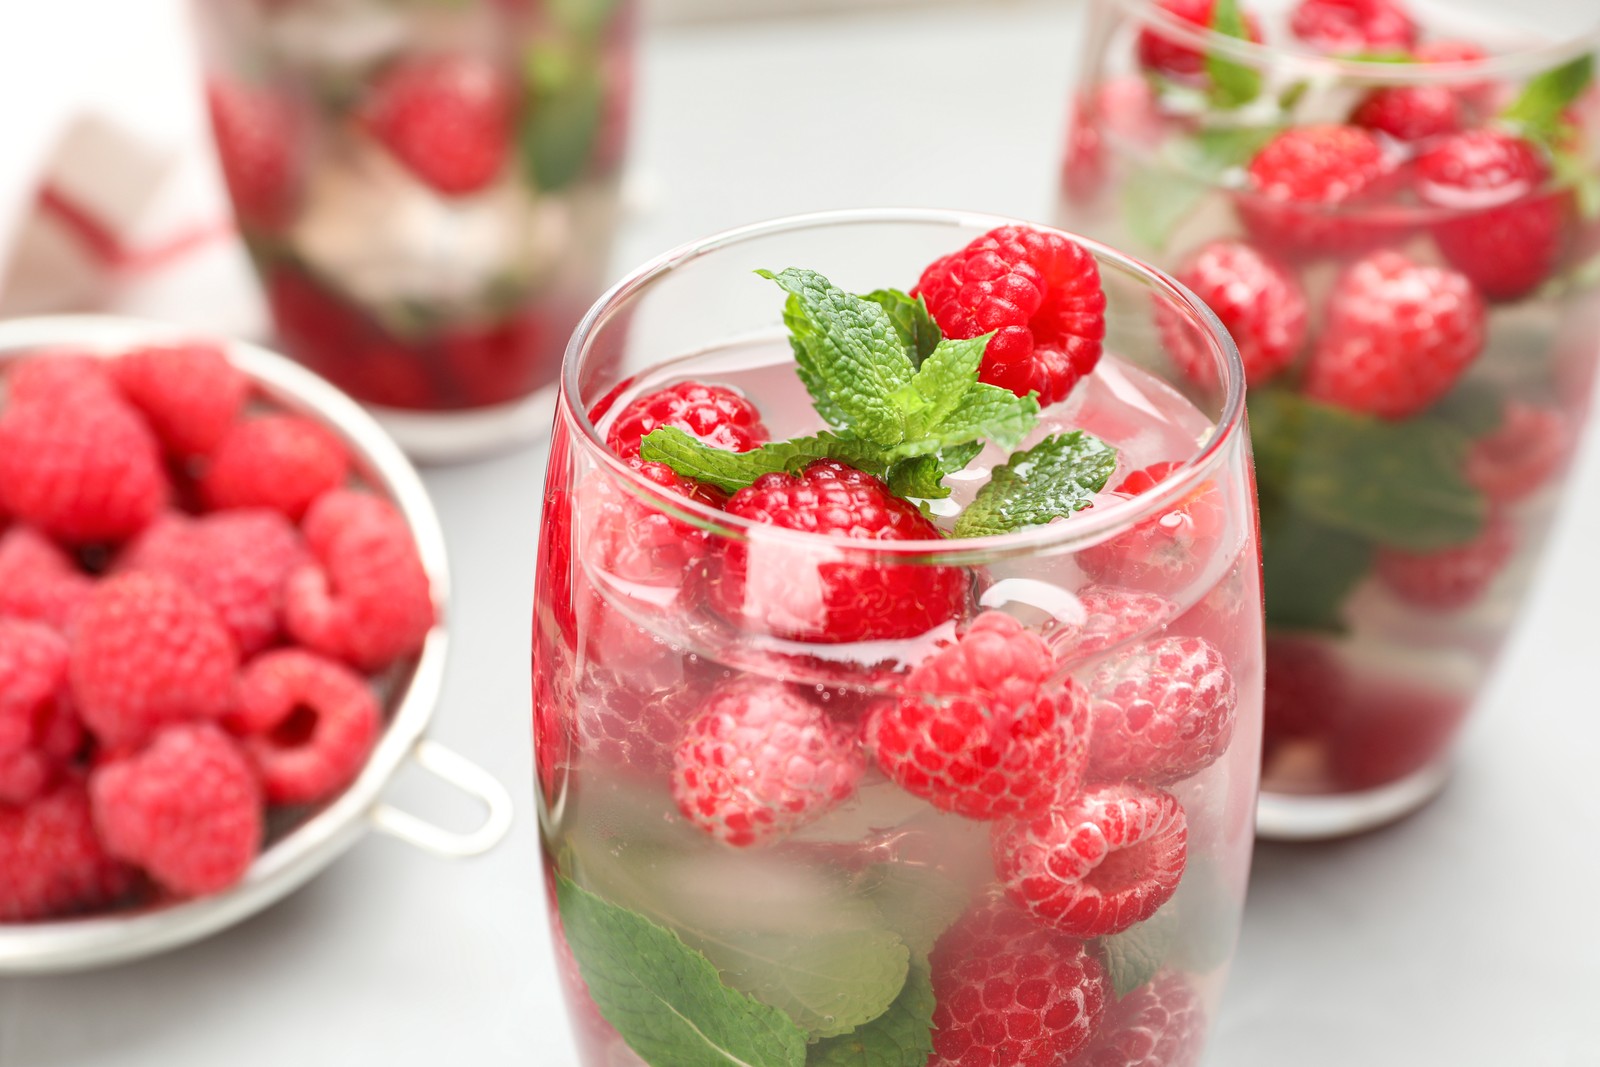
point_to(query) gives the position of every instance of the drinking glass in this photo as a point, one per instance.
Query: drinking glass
(738, 855)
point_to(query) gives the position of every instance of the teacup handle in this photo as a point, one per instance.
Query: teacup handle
(455, 769)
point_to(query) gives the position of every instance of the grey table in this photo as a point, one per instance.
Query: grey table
(1464, 936)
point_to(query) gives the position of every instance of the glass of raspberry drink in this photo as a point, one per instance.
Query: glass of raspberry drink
(428, 192)
(1395, 210)
(897, 657)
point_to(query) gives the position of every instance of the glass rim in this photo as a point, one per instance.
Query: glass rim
(1085, 528)
(1508, 64)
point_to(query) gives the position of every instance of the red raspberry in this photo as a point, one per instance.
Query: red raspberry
(1095, 863)
(59, 377)
(308, 725)
(760, 761)
(632, 541)
(33, 675)
(1111, 617)
(283, 462)
(500, 362)
(1349, 27)
(258, 146)
(985, 728)
(187, 808)
(25, 775)
(1257, 298)
(37, 580)
(1125, 109)
(447, 118)
(147, 652)
(75, 460)
(190, 394)
(1502, 229)
(1397, 337)
(1167, 551)
(1518, 458)
(1306, 689)
(367, 600)
(634, 723)
(1410, 113)
(1308, 187)
(236, 561)
(1038, 291)
(1162, 55)
(56, 744)
(1011, 993)
(717, 415)
(807, 593)
(1449, 579)
(1160, 1024)
(1161, 711)
(1388, 732)
(51, 862)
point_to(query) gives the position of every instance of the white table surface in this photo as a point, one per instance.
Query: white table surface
(1465, 936)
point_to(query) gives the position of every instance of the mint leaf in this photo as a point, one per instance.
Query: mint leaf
(1134, 956)
(732, 471)
(1396, 483)
(1310, 568)
(1577, 173)
(562, 120)
(850, 356)
(919, 903)
(922, 477)
(1473, 406)
(901, 1037)
(1540, 112)
(1158, 198)
(1055, 477)
(664, 998)
(917, 330)
(1232, 84)
(586, 18)
(942, 383)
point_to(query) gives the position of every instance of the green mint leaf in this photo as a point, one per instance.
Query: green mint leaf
(1396, 483)
(1232, 84)
(919, 903)
(1380, 57)
(732, 471)
(586, 18)
(561, 123)
(988, 412)
(1310, 568)
(666, 999)
(1159, 197)
(942, 382)
(1577, 173)
(1540, 111)
(917, 330)
(853, 360)
(1134, 956)
(1474, 407)
(1055, 477)
(922, 477)
(901, 1037)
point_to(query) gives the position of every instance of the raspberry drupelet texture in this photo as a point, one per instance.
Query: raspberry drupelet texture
(1410, 113)
(1301, 185)
(803, 593)
(282, 462)
(1160, 54)
(1161, 711)
(714, 414)
(186, 808)
(447, 118)
(760, 761)
(1397, 337)
(984, 729)
(631, 540)
(258, 146)
(1168, 551)
(1449, 579)
(33, 676)
(1009, 992)
(51, 860)
(1160, 1024)
(1350, 27)
(147, 652)
(308, 724)
(189, 394)
(1257, 298)
(1111, 616)
(1515, 461)
(38, 581)
(1041, 295)
(1096, 863)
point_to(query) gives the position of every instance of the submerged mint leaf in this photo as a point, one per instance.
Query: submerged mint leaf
(1160, 196)
(1311, 569)
(1578, 174)
(1232, 84)
(917, 330)
(1134, 956)
(732, 471)
(1055, 477)
(562, 122)
(920, 903)
(666, 999)
(901, 1037)
(1540, 112)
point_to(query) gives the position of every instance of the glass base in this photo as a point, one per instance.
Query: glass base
(1308, 817)
(455, 436)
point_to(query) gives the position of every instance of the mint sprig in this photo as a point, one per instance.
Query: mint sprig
(1539, 113)
(917, 330)
(901, 1037)
(1232, 84)
(1056, 477)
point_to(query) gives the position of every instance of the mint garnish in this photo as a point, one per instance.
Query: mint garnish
(1310, 568)
(566, 103)
(666, 999)
(1232, 84)
(732, 471)
(1540, 112)
(1134, 956)
(917, 330)
(901, 1037)
(1056, 477)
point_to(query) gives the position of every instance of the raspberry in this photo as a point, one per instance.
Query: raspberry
(187, 808)
(33, 675)
(1162, 55)
(1167, 551)
(807, 593)
(147, 652)
(716, 415)
(1257, 298)
(25, 774)
(367, 600)
(499, 362)
(1160, 1024)
(1502, 230)
(447, 118)
(634, 723)
(1011, 993)
(59, 377)
(760, 761)
(51, 862)
(984, 728)
(37, 580)
(308, 725)
(1389, 732)
(1304, 187)
(1096, 863)
(1398, 335)
(1347, 27)
(1449, 579)
(1161, 711)
(190, 394)
(1111, 616)
(1305, 689)
(283, 462)
(258, 148)
(1038, 291)
(1410, 113)
(235, 561)
(75, 460)
(629, 539)
(1124, 109)
(1519, 457)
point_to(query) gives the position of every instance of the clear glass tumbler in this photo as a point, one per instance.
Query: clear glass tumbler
(808, 794)
(428, 190)
(1396, 213)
